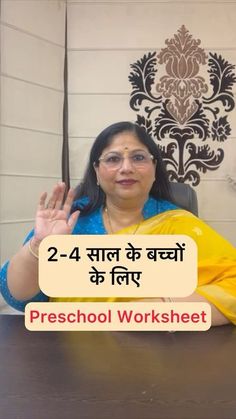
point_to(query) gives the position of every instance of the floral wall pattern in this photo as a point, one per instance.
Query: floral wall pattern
(183, 97)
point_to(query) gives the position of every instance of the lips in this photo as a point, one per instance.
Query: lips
(127, 182)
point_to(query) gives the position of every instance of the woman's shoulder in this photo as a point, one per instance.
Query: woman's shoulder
(154, 206)
(80, 203)
(91, 223)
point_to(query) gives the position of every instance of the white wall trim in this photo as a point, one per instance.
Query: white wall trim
(15, 28)
(31, 129)
(44, 86)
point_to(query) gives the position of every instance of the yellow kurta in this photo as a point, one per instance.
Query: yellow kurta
(216, 258)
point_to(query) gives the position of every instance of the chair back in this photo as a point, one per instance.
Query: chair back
(184, 196)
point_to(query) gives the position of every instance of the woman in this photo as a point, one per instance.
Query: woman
(124, 190)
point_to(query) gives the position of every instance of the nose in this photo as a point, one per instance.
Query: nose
(126, 165)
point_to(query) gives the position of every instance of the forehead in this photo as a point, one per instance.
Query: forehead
(125, 141)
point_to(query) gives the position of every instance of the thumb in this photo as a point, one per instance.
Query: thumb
(73, 219)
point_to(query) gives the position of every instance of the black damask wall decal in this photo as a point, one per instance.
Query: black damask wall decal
(185, 112)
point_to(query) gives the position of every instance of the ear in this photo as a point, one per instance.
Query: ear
(96, 171)
(155, 166)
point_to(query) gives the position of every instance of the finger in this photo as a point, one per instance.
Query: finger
(69, 201)
(73, 219)
(42, 200)
(61, 193)
(53, 198)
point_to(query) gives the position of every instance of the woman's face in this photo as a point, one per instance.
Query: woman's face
(126, 169)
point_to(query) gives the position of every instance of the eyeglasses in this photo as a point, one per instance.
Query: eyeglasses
(114, 161)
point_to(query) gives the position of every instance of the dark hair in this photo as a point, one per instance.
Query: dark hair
(89, 188)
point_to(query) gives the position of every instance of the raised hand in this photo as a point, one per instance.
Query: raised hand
(54, 218)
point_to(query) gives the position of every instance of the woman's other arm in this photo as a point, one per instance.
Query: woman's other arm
(217, 318)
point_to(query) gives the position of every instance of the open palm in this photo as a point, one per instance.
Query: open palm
(55, 218)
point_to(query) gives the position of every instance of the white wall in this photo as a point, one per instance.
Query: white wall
(32, 58)
(104, 38)
(32, 45)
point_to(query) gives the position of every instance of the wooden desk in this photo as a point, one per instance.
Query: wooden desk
(116, 375)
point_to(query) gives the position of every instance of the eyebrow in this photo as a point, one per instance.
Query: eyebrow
(132, 151)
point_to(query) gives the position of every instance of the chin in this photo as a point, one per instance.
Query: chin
(129, 195)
